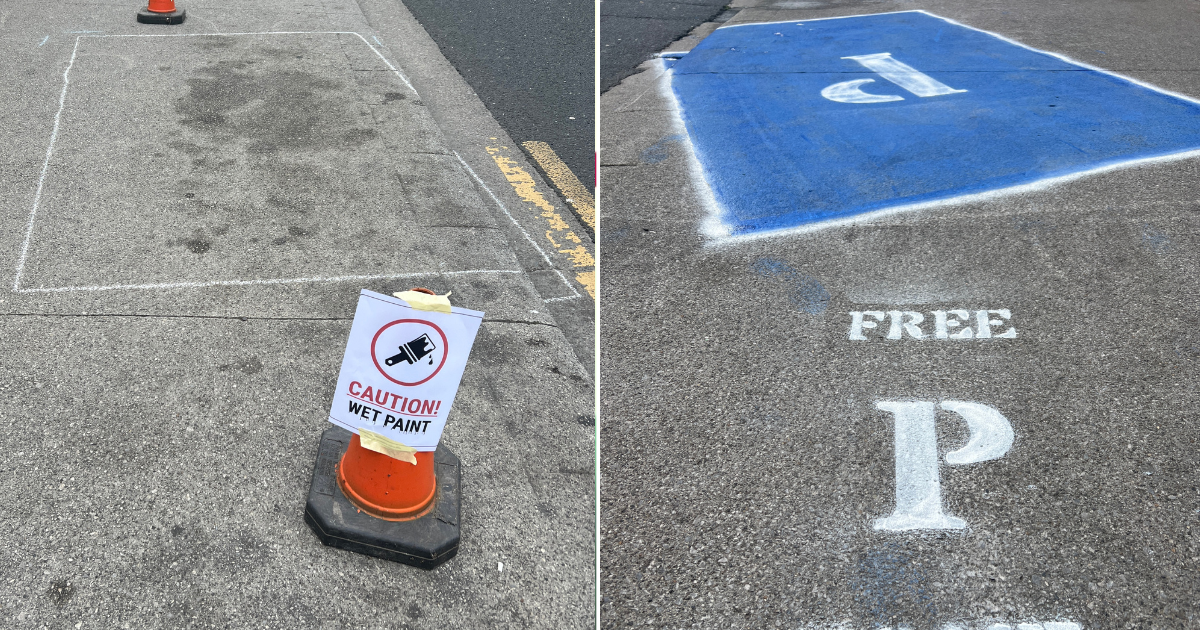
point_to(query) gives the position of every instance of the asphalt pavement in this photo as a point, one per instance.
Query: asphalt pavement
(632, 31)
(791, 434)
(530, 62)
(189, 214)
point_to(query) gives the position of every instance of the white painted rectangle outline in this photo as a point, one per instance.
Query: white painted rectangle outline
(717, 232)
(16, 286)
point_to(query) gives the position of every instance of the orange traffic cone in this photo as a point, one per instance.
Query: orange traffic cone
(387, 508)
(385, 487)
(161, 12)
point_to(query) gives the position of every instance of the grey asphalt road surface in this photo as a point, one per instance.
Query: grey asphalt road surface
(531, 62)
(187, 221)
(749, 445)
(632, 31)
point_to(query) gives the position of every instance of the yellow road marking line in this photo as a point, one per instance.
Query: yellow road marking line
(588, 280)
(525, 187)
(568, 184)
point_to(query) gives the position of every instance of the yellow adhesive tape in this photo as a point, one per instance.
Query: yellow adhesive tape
(391, 448)
(425, 302)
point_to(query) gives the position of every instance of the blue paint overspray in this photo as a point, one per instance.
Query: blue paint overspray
(806, 293)
(804, 123)
(1157, 240)
(660, 150)
(890, 585)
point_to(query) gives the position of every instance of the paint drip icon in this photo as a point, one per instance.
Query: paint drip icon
(413, 351)
(409, 351)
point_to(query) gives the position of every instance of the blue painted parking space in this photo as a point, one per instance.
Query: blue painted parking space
(799, 124)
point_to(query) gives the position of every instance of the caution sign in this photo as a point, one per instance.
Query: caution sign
(401, 369)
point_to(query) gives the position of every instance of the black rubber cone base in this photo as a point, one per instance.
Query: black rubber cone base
(425, 542)
(146, 16)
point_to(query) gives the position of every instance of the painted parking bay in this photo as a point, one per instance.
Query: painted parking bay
(801, 125)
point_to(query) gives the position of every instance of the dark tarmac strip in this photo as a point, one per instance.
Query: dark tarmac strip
(531, 63)
(632, 31)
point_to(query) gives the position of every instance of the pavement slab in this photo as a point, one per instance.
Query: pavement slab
(189, 213)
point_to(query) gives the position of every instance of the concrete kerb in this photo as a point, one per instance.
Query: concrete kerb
(480, 143)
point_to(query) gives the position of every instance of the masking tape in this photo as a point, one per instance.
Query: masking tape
(391, 448)
(374, 441)
(425, 302)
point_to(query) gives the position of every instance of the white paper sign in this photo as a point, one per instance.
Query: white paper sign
(402, 369)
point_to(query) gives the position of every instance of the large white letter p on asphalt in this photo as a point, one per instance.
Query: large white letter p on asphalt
(918, 480)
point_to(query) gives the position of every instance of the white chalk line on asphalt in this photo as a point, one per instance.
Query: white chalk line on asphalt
(723, 238)
(713, 225)
(574, 294)
(37, 197)
(389, 64)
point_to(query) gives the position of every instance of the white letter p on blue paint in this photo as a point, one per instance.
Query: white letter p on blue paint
(892, 70)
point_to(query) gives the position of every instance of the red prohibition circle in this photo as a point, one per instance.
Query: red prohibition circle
(445, 351)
